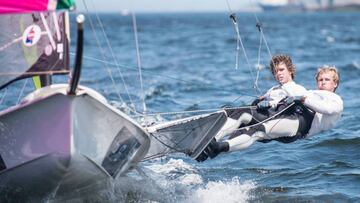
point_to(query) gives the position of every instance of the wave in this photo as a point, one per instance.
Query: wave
(337, 142)
(224, 191)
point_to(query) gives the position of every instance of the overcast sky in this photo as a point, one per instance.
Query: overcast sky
(165, 5)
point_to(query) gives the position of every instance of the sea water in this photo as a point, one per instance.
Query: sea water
(189, 64)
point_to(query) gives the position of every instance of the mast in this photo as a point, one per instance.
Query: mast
(79, 52)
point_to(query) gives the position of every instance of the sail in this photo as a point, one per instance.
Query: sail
(32, 43)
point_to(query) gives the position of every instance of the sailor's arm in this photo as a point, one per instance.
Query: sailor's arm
(294, 90)
(323, 104)
(266, 96)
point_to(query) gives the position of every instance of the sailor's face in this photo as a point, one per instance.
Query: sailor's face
(325, 81)
(282, 74)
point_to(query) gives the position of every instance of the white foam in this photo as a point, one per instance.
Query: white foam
(232, 191)
(180, 172)
(191, 179)
(172, 165)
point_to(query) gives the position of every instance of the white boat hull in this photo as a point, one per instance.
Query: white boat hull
(66, 142)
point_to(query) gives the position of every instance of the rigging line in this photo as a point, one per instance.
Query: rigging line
(132, 68)
(256, 85)
(232, 17)
(259, 122)
(102, 51)
(261, 31)
(239, 41)
(237, 36)
(57, 27)
(271, 117)
(155, 74)
(138, 60)
(3, 96)
(187, 135)
(52, 41)
(195, 111)
(243, 48)
(22, 91)
(166, 145)
(113, 55)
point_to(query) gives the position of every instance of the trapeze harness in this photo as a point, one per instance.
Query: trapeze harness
(294, 111)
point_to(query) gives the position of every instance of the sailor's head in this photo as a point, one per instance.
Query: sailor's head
(327, 78)
(282, 68)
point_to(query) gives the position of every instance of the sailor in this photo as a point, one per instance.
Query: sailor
(265, 106)
(309, 114)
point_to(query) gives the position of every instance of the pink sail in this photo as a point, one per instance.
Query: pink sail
(27, 6)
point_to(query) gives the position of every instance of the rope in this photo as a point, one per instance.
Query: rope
(239, 41)
(271, 117)
(193, 111)
(138, 61)
(177, 143)
(113, 56)
(132, 68)
(22, 91)
(258, 63)
(259, 26)
(102, 51)
(163, 76)
(3, 96)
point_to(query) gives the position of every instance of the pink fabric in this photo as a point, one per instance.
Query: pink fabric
(23, 6)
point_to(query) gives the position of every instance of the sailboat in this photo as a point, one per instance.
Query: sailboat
(60, 137)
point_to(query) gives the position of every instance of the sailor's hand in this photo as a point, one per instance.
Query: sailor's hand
(256, 101)
(291, 99)
(263, 104)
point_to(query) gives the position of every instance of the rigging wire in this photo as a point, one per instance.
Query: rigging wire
(175, 144)
(22, 91)
(258, 67)
(271, 117)
(239, 41)
(138, 60)
(239, 129)
(160, 75)
(113, 56)
(102, 51)
(259, 25)
(3, 96)
(195, 111)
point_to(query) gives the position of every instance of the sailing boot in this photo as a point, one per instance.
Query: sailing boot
(215, 148)
(202, 157)
(212, 150)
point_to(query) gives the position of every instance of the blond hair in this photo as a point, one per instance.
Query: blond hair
(282, 58)
(329, 69)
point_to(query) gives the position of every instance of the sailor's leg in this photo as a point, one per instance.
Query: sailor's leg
(247, 138)
(232, 124)
(273, 129)
(282, 127)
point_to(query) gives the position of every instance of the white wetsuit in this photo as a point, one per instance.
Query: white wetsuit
(279, 92)
(327, 105)
(274, 95)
